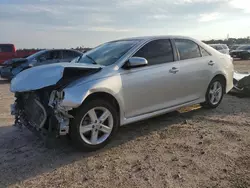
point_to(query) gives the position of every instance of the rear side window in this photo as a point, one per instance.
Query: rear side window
(50, 55)
(187, 49)
(157, 52)
(6, 48)
(67, 54)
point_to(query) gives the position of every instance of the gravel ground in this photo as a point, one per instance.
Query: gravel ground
(192, 147)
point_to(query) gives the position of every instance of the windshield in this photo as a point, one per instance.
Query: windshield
(108, 53)
(243, 48)
(35, 55)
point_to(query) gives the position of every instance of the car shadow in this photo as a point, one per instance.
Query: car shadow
(23, 155)
(240, 95)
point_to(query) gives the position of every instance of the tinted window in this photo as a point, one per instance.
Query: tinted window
(67, 54)
(187, 49)
(50, 55)
(204, 52)
(5, 48)
(157, 52)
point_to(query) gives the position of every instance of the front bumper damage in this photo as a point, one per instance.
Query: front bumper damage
(61, 113)
(241, 83)
(51, 120)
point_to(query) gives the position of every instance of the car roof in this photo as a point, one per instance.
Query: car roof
(156, 37)
(47, 50)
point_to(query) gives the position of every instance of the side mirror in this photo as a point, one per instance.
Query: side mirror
(136, 62)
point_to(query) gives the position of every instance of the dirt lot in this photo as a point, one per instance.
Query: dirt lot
(190, 148)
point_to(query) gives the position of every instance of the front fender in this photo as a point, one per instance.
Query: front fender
(75, 95)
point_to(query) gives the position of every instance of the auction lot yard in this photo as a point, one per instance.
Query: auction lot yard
(193, 147)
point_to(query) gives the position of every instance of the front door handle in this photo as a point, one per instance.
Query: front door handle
(211, 63)
(174, 70)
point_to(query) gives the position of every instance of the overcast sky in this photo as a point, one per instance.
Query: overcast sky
(71, 23)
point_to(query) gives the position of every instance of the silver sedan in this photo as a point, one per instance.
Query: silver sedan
(118, 83)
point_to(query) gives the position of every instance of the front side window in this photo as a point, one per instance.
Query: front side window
(50, 55)
(157, 52)
(107, 53)
(187, 49)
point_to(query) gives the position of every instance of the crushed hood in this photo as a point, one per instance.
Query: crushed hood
(48, 75)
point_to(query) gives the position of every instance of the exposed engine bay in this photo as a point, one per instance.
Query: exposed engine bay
(40, 110)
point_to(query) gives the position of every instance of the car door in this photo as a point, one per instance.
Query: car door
(152, 87)
(194, 70)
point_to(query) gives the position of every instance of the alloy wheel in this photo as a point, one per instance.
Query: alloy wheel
(96, 125)
(215, 93)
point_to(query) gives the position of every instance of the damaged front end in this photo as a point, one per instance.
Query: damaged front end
(40, 109)
(41, 112)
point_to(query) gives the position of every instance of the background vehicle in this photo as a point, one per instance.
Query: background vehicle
(118, 83)
(14, 66)
(8, 51)
(223, 48)
(242, 52)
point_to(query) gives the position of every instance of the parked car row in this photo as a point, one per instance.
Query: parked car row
(117, 83)
(237, 51)
(242, 52)
(12, 67)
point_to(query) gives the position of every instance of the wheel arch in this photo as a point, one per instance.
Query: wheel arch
(222, 77)
(103, 95)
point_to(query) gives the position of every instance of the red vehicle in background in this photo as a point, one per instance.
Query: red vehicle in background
(8, 51)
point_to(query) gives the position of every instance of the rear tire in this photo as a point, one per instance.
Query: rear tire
(95, 123)
(214, 94)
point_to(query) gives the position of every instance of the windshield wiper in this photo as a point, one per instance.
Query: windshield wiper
(94, 62)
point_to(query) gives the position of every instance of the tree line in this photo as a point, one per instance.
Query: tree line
(229, 41)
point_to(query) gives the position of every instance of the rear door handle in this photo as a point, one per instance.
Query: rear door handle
(211, 63)
(174, 70)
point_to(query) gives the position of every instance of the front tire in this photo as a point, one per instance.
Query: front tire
(95, 124)
(214, 94)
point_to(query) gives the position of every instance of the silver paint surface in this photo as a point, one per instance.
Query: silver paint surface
(141, 92)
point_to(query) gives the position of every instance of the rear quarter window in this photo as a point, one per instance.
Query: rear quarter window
(187, 49)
